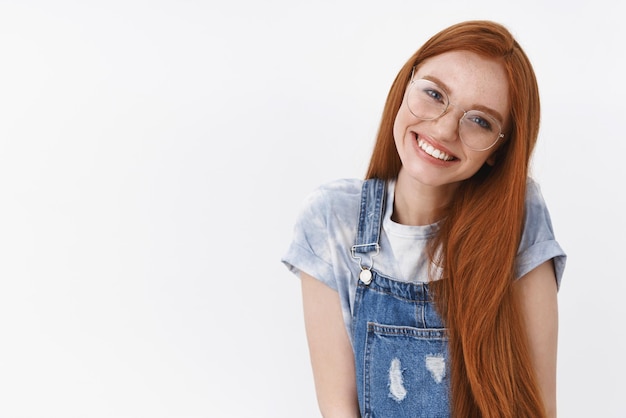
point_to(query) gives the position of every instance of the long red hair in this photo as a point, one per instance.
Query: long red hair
(479, 237)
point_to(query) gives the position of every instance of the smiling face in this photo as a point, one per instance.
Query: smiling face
(431, 151)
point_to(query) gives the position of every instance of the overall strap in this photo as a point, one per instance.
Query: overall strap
(370, 221)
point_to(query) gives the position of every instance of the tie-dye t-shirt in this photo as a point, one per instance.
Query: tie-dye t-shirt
(326, 230)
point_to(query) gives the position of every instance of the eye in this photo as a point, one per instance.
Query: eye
(434, 94)
(479, 121)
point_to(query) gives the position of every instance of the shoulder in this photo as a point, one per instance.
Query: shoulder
(339, 198)
(534, 197)
(537, 216)
(339, 189)
(325, 227)
(538, 243)
(330, 213)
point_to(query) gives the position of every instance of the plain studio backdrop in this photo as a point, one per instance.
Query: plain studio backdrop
(154, 156)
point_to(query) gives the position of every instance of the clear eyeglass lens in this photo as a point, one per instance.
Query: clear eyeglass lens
(478, 130)
(428, 101)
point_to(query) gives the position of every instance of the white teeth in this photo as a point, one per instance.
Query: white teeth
(432, 151)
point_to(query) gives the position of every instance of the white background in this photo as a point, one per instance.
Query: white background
(153, 158)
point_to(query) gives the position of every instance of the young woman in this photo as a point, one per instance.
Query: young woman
(429, 288)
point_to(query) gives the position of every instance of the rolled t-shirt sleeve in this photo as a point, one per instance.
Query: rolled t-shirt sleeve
(310, 249)
(538, 243)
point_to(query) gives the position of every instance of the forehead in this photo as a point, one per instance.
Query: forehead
(470, 79)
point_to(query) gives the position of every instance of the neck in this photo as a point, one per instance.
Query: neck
(416, 203)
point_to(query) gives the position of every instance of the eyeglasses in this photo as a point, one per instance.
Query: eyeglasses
(427, 101)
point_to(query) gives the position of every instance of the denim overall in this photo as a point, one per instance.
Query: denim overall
(400, 344)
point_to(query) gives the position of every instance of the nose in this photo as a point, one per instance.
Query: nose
(446, 127)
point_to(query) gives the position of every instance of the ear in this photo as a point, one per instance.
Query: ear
(491, 161)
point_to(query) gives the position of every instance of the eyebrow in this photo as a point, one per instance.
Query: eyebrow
(482, 108)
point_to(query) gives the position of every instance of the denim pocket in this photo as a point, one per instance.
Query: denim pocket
(405, 372)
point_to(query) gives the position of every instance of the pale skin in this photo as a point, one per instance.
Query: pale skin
(424, 185)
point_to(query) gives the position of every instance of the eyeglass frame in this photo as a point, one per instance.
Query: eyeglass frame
(465, 112)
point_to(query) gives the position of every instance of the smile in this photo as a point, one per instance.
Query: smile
(433, 152)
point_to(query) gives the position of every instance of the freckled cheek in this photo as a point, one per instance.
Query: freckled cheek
(397, 134)
(476, 159)
(400, 126)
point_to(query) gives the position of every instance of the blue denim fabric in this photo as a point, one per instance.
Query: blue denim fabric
(399, 340)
